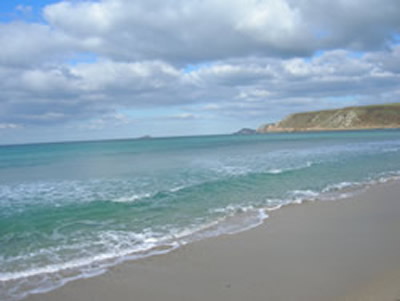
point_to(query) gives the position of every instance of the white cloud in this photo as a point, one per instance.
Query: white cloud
(62, 93)
(28, 44)
(127, 76)
(184, 116)
(8, 126)
(24, 9)
(190, 31)
(186, 31)
(237, 59)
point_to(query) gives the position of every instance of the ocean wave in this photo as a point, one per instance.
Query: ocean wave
(259, 168)
(304, 194)
(19, 197)
(132, 198)
(276, 171)
(125, 246)
(229, 219)
(138, 242)
(177, 188)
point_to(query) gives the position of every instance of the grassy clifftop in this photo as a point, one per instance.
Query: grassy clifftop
(350, 118)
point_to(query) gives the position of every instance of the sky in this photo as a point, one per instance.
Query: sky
(109, 69)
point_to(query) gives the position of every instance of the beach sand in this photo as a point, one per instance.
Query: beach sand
(326, 250)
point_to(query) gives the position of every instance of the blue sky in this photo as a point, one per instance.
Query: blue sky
(120, 68)
(9, 10)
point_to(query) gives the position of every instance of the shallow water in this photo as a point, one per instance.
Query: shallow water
(71, 210)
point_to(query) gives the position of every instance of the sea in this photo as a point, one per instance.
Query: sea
(73, 210)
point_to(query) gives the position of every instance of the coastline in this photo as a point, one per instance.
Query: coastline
(272, 130)
(348, 249)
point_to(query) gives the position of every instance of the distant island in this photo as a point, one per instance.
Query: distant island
(245, 131)
(351, 118)
(145, 137)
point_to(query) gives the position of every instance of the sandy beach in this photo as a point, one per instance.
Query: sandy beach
(327, 250)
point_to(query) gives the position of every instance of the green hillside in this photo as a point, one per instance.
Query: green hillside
(363, 117)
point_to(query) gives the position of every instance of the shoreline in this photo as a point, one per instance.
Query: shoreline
(324, 250)
(321, 130)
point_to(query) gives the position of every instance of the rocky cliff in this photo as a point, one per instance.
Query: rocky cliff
(350, 118)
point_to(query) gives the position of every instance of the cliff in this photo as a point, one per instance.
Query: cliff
(350, 118)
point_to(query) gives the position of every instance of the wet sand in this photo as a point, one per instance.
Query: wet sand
(328, 250)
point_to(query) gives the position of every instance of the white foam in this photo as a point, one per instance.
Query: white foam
(248, 224)
(138, 245)
(51, 269)
(131, 198)
(177, 188)
(300, 195)
(232, 209)
(45, 284)
(340, 186)
(277, 207)
(248, 218)
(126, 246)
(283, 170)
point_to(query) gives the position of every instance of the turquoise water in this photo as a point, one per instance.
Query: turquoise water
(71, 210)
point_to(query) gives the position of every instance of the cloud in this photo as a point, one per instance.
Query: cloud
(237, 61)
(8, 126)
(67, 93)
(25, 44)
(185, 31)
(24, 9)
(114, 120)
(183, 116)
